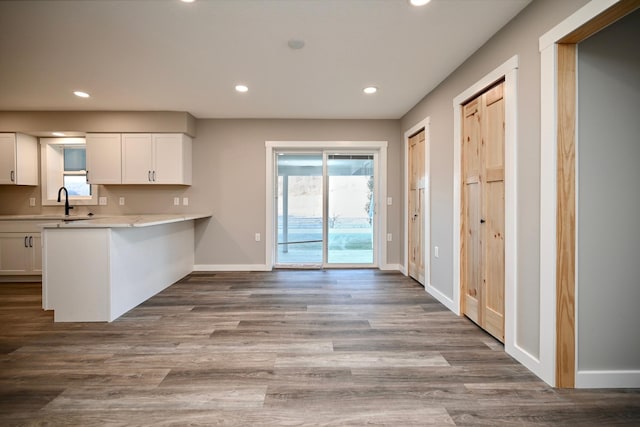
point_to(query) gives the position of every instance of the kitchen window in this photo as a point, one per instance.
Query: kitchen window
(64, 163)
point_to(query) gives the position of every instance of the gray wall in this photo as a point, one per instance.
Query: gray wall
(97, 121)
(229, 180)
(608, 198)
(519, 37)
(228, 177)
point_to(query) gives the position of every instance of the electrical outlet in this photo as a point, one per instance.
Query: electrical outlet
(176, 201)
(102, 201)
(257, 237)
(121, 201)
(389, 237)
(32, 201)
(185, 201)
(436, 252)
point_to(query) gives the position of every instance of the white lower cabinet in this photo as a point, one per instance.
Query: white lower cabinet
(20, 254)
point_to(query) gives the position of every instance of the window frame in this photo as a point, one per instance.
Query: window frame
(52, 172)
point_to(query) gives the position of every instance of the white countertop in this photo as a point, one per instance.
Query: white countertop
(46, 217)
(121, 221)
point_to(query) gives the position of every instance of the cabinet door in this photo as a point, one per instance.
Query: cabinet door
(35, 253)
(167, 156)
(26, 159)
(7, 158)
(137, 165)
(104, 159)
(18, 159)
(14, 253)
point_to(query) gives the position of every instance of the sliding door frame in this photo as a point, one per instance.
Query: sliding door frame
(380, 228)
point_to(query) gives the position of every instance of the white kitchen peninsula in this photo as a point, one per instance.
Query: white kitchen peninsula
(97, 270)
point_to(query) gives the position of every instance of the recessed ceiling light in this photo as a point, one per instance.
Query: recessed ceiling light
(419, 2)
(81, 94)
(187, 1)
(57, 133)
(242, 88)
(370, 90)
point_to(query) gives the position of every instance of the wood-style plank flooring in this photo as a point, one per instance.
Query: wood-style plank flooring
(334, 347)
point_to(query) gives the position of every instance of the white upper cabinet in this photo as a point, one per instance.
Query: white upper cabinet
(137, 162)
(156, 159)
(172, 159)
(104, 154)
(18, 159)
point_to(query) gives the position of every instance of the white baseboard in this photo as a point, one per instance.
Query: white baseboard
(608, 379)
(392, 267)
(527, 360)
(263, 267)
(444, 300)
(231, 267)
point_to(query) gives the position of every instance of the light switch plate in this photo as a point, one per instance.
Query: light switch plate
(121, 201)
(389, 237)
(102, 201)
(389, 201)
(32, 201)
(436, 252)
(257, 237)
(185, 201)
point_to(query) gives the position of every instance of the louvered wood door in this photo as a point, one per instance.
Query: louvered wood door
(482, 242)
(416, 206)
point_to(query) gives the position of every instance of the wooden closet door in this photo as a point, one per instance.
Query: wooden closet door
(482, 239)
(471, 254)
(493, 194)
(416, 206)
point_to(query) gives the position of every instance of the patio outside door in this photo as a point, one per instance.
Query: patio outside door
(325, 209)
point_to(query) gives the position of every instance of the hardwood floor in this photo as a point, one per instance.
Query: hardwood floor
(334, 347)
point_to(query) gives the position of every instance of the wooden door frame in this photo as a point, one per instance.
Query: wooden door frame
(558, 237)
(422, 124)
(508, 72)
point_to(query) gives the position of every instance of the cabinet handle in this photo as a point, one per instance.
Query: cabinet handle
(154, 176)
(149, 176)
(87, 177)
(30, 241)
(26, 240)
(13, 176)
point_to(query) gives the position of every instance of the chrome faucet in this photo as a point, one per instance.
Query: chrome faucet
(66, 200)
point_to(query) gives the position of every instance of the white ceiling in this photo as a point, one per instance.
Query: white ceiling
(167, 55)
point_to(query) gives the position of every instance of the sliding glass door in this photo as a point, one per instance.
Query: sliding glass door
(325, 209)
(300, 215)
(351, 206)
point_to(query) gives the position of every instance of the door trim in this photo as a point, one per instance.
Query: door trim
(509, 72)
(381, 208)
(422, 124)
(558, 240)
